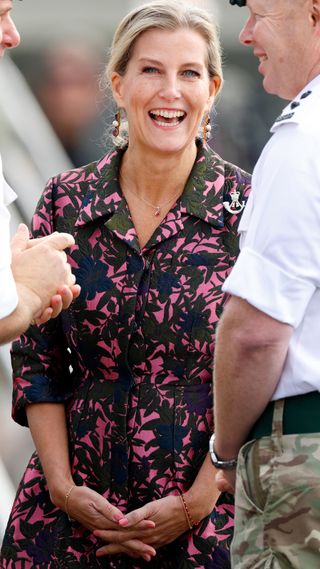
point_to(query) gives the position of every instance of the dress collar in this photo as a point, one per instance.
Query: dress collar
(202, 197)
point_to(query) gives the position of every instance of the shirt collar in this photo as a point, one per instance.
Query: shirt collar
(291, 112)
(104, 196)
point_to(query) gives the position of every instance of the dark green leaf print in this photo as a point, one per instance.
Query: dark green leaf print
(131, 359)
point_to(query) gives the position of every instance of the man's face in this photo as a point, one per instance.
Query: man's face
(284, 36)
(9, 36)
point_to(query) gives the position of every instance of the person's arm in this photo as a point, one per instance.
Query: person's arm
(203, 494)
(272, 283)
(250, 353)
(18, 321)
(44, 419)
(83, 504)
(40, 271)
(29, 306)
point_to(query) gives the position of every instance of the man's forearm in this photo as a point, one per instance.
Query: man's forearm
(12, 326)
(250, 353)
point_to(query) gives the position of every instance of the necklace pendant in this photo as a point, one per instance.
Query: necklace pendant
(157, 212)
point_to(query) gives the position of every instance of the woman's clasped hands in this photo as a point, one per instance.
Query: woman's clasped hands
(137, 534)
(168, 522)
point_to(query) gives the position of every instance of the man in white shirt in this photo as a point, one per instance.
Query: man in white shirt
(36, 282)
(267, 356)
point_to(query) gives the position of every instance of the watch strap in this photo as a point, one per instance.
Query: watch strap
(217, 461)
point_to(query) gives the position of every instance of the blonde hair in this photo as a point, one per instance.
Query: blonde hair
(163, 15)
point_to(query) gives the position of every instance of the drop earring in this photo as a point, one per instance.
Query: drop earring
(116, 124)
(206, 128)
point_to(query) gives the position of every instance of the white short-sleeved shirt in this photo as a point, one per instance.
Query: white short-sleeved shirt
(8, 292)
(278, 269)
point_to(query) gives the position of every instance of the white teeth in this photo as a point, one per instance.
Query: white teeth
(168, 124)
(168, 114)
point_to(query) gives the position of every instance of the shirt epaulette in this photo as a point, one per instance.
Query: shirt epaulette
(291, 113)
(284, 117)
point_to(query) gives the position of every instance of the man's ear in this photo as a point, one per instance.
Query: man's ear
(116, 85)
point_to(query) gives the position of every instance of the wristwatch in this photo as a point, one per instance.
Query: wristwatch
(216, 461)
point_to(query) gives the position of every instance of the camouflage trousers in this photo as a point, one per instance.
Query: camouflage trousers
(277, 518)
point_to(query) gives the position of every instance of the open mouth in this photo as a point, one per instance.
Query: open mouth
(167, 117)
(260, 56)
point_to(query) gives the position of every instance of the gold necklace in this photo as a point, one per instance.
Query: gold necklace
(157, 208)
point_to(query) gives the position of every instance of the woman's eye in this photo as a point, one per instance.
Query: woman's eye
(191, 73)
(149, 69)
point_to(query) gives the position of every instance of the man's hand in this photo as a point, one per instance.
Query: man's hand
(42, 274)
(226, 480)
(59, 302)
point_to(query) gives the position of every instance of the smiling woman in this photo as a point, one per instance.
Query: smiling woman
(129, 368)
(164, 99)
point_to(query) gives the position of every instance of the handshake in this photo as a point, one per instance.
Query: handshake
(44, 282)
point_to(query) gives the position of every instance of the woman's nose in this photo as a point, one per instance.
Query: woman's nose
(170, 88)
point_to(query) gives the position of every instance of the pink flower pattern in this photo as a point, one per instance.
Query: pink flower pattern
(131, 359)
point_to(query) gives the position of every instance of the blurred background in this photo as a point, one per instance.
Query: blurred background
(54, 114)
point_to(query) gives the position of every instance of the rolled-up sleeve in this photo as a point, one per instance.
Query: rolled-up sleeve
(278, 269)
(41, 372)
(269, 288)
(40, 357)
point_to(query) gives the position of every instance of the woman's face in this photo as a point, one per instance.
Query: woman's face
(166, 89)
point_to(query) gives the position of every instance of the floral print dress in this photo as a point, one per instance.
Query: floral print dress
(132, 360)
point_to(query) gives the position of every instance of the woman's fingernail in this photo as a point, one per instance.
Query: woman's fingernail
(123, 522)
